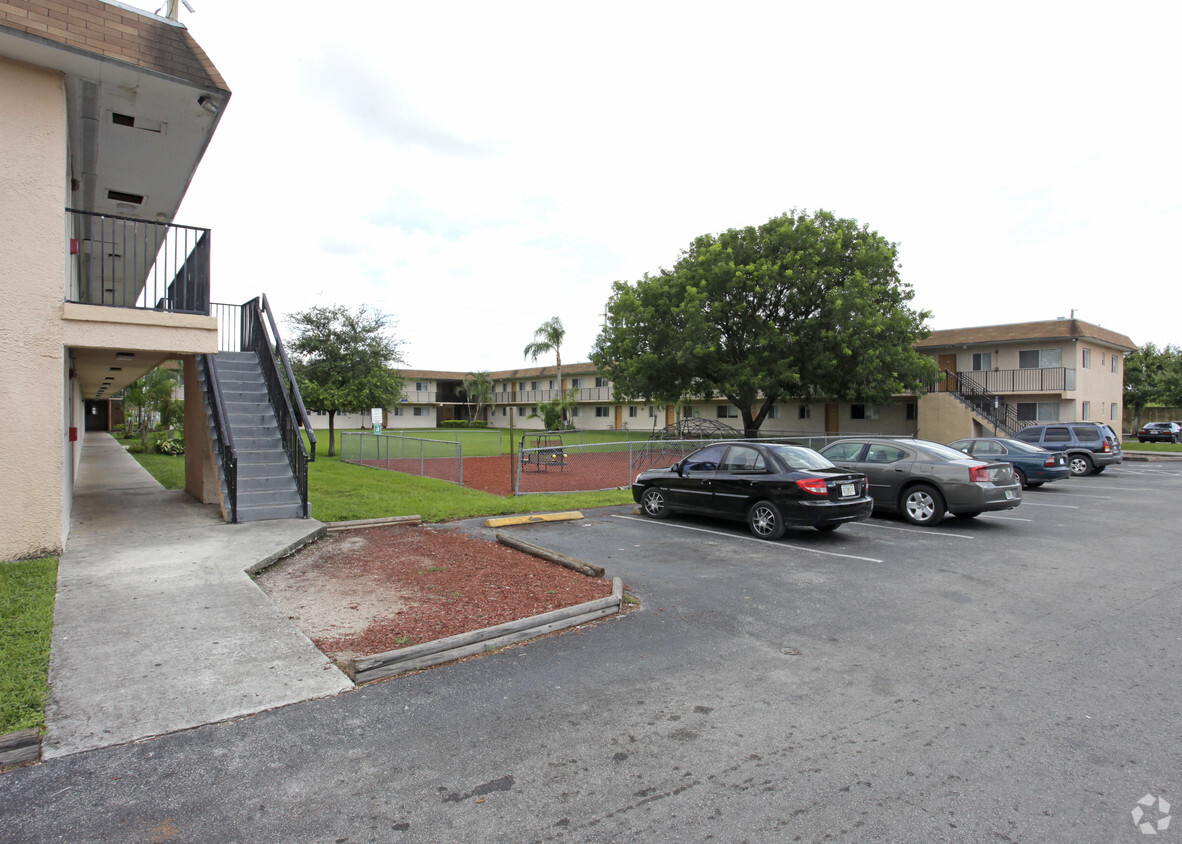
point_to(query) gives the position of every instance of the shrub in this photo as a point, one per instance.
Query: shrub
(135, 448)
(171, 447)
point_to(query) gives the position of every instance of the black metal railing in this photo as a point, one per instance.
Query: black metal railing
(229, 455)
(1054, 379)
(128, 263)
(990, 407)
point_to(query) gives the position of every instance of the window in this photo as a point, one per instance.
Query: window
(574, 411)
(805, 412)
(398, 411)
(1087, 433)
(600, 382)
(1086, 359)
(421, 386)
(1040, 359)
(551, 384)
(1056, 435)
(689, 412)
(909, 413)
(601, 411)
(504, 411)
(774, 413)
(844, 451)
(632, 411)
(1085, 409)
(533, 385)
(1114, 366)
(419, 411)
(1047, 411)
(884, 453)
(652, 412)
(982, 361)
(863, 411)
(728, 411)
(743, 458)
(521, 386)
(576, 383)
(1112, 408)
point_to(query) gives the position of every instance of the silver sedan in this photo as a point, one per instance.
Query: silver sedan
(923, 480)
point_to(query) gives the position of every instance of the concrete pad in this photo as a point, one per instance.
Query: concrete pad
(157, 625)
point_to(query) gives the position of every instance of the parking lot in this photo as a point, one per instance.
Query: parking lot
(1009, 678)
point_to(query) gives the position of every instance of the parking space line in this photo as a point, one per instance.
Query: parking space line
(1038, 504)
(763, 542)
(1085, 495)
(1006, 518)
(924, 531)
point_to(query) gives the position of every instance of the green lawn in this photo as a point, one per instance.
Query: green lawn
(27, 591)
(1131, 444)
(341, 492)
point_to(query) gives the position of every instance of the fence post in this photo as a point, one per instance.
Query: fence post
(422, 455)
(461, 459)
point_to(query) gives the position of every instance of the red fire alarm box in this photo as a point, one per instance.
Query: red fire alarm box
(73, 435)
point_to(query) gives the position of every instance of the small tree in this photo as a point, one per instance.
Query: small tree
(343, 361)
(548, 338)
(477, 388)
(148, 395)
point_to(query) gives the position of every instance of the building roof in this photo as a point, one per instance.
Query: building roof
(504, 374)
(114, 32)
(1051, 329)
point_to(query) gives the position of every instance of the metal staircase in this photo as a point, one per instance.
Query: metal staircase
(990, 408)
(255, 415)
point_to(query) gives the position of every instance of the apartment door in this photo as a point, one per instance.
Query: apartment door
(832, 425)
(947, 363)
(619, 417)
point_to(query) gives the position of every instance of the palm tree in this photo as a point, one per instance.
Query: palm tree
(477, 387)
(548, 338)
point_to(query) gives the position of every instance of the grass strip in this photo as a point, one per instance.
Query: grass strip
(27, 590)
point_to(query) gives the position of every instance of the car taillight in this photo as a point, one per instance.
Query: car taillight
(979, 474)
(816, 486)
(1049, 462)
(1107, 446)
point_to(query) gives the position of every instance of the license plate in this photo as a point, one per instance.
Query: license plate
(848, 489)
(1009, 494)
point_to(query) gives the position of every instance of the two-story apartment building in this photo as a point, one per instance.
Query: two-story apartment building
(1061, 370)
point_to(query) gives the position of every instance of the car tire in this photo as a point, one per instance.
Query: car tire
(1080, 464)
(765, 520)
(826, 528)
(922, 505)
(1021, 476)
(654, 504)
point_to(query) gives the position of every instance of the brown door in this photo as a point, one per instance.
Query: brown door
(832, 425)
(947, 363)
(619, 417)
(669, 420)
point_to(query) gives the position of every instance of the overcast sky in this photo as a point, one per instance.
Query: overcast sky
(474, 169)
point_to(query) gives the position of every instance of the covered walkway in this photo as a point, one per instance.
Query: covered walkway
(157, 626)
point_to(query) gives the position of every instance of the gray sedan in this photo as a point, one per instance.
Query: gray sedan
(923, 480)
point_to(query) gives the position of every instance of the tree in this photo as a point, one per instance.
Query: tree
(548, 338)
(478, 388)
(1152, 376)
(151, 393)
(800, 307)
(343, 359)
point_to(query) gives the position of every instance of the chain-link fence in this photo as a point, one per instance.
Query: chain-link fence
(552, 465)
(440, 459)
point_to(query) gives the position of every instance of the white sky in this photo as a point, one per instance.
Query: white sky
(474, 169)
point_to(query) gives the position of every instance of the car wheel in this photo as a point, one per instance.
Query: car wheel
(1021, 476)
(654, 503)
(1034, 484)
(922, 505)
(826, 528)
(765, 520)
(1080, 464)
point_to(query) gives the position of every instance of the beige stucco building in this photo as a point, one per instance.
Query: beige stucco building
(106, 114)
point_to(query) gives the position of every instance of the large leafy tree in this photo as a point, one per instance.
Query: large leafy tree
(801, 306)
(1152, 376)
(343, 359)
(151, 393)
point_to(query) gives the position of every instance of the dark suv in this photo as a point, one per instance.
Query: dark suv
(1091, 447)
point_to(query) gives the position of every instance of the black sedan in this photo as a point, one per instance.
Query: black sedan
(770, 486)
(1033, 466)
(1160, 432)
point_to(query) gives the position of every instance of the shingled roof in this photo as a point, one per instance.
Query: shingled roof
(114, 32)
(1051, 329)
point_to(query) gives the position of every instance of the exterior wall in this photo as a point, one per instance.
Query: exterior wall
(943, 419)
(33, 369)
(1099, 385)
(201, 475)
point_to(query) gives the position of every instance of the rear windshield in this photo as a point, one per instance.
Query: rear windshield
(1025, 448)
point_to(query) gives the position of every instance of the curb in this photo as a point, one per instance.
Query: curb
(363, 523)
(20, 747)
(509, 521)
(403, 660)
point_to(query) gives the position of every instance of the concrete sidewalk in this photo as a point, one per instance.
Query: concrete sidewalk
(157, 625)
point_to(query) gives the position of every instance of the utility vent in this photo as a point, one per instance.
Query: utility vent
(120, 196)
(137, 122)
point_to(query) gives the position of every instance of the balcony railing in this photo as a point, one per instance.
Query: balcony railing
(584, 394)
(1051, 380)
(127, 263)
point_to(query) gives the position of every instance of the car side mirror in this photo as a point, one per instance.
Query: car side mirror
(679, 466)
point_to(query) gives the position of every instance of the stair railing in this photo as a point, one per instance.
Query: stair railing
(229, 455)
(989, 406)
(283, 393)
